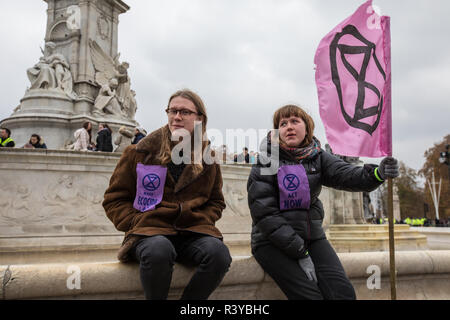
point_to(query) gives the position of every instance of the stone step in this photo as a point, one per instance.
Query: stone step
(367, 237)
(374, 234)
(367, 227)
(438, 238)
(84, 249)
(401, 243)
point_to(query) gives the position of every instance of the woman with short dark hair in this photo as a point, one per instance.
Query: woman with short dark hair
(36, 142)
(283, 189)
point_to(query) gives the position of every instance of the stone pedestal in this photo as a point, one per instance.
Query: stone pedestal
(50, 207)
(344, 207)
(369, 237)
(64, 84)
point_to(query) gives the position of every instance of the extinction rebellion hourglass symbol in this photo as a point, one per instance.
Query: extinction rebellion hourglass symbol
(368, 52)
(151, 182)
(291, 182)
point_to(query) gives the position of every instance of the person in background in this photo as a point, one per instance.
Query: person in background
(139, 133)
(104, 138)
(244, 157)
(35, 142)
(83, 137)
(287, 238)
(5, 139)
(169, 209)
(225, 158)
(252, 158)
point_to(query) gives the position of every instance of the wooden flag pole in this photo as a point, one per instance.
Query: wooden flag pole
(393, 274)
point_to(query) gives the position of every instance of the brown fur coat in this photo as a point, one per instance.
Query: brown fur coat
(193, 204)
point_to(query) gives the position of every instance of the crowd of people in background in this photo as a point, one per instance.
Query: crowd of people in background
(245, 156)
(83, 139)
(103, 143)
(6, 141)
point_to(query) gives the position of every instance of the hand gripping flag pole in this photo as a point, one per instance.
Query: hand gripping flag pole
(392, 271)
(353, 77)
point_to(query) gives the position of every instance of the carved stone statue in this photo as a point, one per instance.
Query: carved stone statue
(130, 105)
(110, 71)
(52, 72)
(123, 140)
(107, 101)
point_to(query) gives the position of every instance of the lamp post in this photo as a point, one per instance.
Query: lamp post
(444, 158)
(435, 194)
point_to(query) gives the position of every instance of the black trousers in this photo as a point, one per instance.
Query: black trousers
(333, 283)
(157, 255)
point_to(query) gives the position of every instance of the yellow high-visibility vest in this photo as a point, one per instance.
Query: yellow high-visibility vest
(7, 140)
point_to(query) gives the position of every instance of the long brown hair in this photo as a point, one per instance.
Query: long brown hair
(167, 145)
(86, 126)
(293, 110)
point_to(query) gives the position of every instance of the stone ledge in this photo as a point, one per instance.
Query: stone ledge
(83, 248)
(420, 275)
(438, 238)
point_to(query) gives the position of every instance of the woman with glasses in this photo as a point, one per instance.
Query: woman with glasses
(167, 208)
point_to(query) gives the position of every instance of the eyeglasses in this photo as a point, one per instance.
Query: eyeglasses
(183, 112)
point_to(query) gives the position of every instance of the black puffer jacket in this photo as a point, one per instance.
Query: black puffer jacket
(104, 141)
(292, 229)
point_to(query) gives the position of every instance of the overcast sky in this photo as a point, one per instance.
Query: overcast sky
(246, 58)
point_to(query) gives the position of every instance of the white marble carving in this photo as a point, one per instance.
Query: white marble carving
(123, 139)
(113, 78)
(235, 194)
(103, 27)
(107, 101)
(52, 72)
(67, 200)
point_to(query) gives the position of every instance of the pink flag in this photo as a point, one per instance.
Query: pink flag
(353, 77)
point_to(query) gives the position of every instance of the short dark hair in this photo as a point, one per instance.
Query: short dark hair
(36, 136)
(7, 131)
(293, 110)
(105, 125)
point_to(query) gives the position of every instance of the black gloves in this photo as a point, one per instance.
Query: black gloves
(388, 169)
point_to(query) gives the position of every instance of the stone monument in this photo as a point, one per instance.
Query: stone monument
(79, 76)
(347, 206)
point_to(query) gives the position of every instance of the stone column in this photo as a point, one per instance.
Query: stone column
(396, 203)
